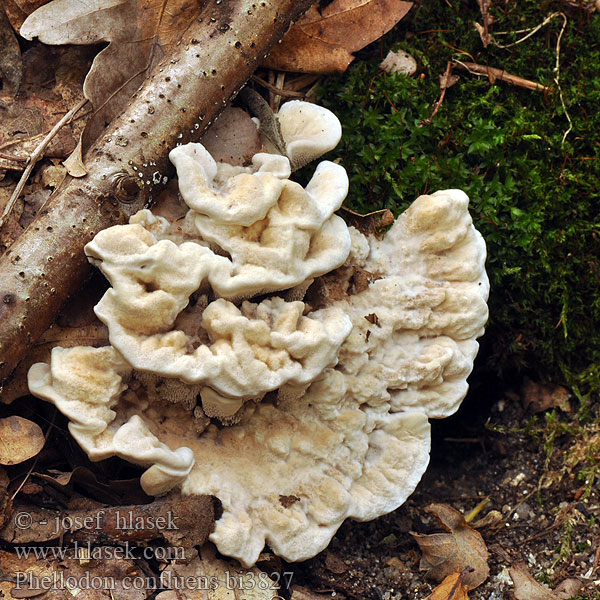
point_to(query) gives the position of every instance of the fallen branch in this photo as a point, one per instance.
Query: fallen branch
(501, 75)
(128, 165)
(181, 521)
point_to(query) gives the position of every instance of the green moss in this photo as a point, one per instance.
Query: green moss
(534, 198)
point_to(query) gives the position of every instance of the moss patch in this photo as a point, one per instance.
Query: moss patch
(534, 197)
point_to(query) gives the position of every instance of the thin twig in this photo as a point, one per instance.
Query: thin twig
(13, 158)
(484, 6)
(35, 156)
(531, 31)
(557, 77)
(492, 73)
(276, 90)
(444, 84)
(556, 69)
(279, 82)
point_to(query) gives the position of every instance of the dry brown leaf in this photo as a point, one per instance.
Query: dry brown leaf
(526, 587)
(20, 439)
(459, 549)
(568, 588)
(491, 519)
(51, 87)
(18, 10)
(323, 41)
(52, 175)
(537, 397)
(140, 34)
(452, 588)
(28, 577)
(11, 67)
(225, 580)
(447, 80)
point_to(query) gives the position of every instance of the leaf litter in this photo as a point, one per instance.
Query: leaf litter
(140, 34)
(324, 39)
(460, 550)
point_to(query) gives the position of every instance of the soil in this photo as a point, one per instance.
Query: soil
(554, 530)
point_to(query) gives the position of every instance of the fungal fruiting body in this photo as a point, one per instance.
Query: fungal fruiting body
(264, 352)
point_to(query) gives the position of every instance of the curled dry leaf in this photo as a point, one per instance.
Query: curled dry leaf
(491, 519)
(568, 588)
(526, 587)
(459, 549)
(20, 439)
(452, 588)
(323, 40)
(448, 79)
(269, 125)
(140, 34)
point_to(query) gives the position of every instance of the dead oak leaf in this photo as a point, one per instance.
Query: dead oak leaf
(527, 588)
(224, 580)
(18, 10)
(20, 439)
(51, 86)
(452, 588)
(323, 41)
(11, 68)
(459, 549)
(30, 577)
(537, 397)
(140, 33)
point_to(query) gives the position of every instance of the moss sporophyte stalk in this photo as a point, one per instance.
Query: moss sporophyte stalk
(533, 196)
